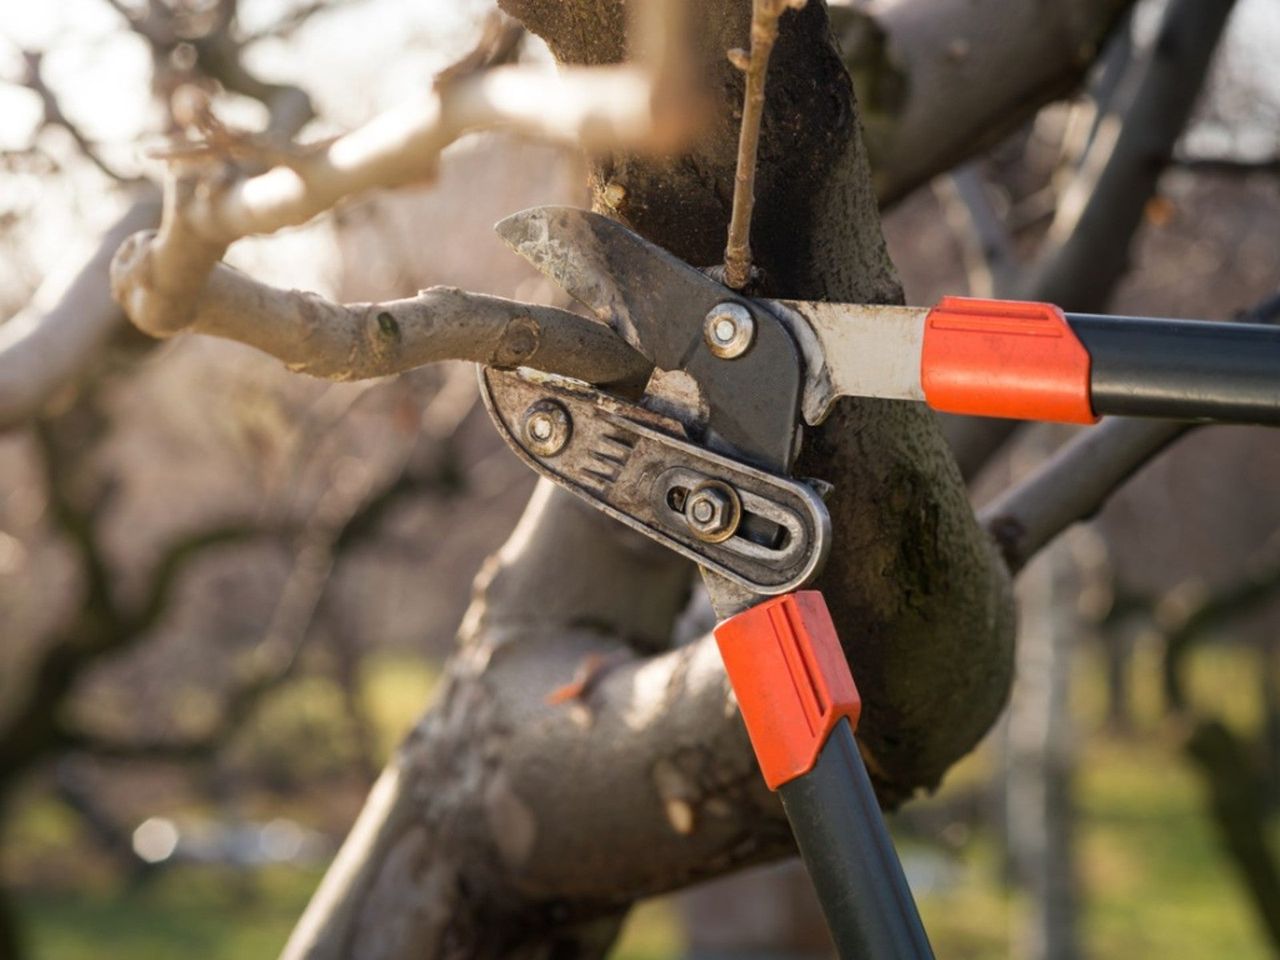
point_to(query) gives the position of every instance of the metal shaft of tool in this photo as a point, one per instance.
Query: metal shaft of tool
(850, 857)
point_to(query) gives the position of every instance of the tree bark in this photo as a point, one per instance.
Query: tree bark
(943, 80)
(507, 826)
(1039, 760)
(816, 235)
(11, 944)
(1235, 803)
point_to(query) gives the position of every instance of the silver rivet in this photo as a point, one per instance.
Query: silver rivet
(713, 511)
(729, 330)
(547, 428)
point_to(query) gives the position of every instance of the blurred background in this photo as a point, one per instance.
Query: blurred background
(225, 589)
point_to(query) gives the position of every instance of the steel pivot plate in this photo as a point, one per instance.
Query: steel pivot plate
(638, 467)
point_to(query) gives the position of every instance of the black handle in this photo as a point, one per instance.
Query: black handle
(850, 857)
(1182, 369)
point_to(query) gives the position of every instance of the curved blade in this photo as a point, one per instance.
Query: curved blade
(654, 300)
(658, 304)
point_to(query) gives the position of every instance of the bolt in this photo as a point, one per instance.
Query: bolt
(729, 330)
(547, 427)
(713, 511)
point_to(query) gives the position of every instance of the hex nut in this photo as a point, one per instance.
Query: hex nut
(713, 511)
(547, 428)
(729, 330)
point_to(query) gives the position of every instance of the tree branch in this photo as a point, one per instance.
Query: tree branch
(1183, 624)
(1228, 166)
(1234, 792)
(358, 341)
(158, 278)
(50, 342)
(1099, 213)
(1074, 483)
(755, 66)
(73, 315)
(176, 560)
(940, 80)
(336, 528)
(53, 115)
(1238, 809)
(986, 246)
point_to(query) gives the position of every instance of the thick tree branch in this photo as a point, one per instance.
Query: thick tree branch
(69, 320)
(1100, 212)
(942, 80)
(358, 341)
(509, 798)
(1073, 484)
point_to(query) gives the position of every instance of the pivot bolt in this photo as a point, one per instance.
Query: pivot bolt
(547, 427)
(729, 330)
(712, 510)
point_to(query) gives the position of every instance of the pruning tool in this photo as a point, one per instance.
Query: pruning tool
(701, 463)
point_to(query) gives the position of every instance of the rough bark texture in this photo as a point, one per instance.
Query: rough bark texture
(905, 550)
(510, 827)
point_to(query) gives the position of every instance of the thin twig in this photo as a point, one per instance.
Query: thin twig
(55, 117)
(755, 66)
(986, 246)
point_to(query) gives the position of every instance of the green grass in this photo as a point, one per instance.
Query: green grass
(194, 913)
(1154, 881)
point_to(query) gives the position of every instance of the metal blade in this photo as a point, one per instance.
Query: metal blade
(654, 300)
(855, 350)
(659, 305)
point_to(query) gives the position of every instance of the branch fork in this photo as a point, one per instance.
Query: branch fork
(160, 277)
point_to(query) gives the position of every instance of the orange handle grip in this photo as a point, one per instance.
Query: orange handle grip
(791, 678)
(1005, 358)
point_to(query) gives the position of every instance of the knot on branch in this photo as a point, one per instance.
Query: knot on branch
(130, 279)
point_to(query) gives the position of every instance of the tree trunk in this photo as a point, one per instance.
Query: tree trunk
(1269, 663)
(510, 827)
(1039, 763)
(11, 946)
(1235, 804)
(1117, 651)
